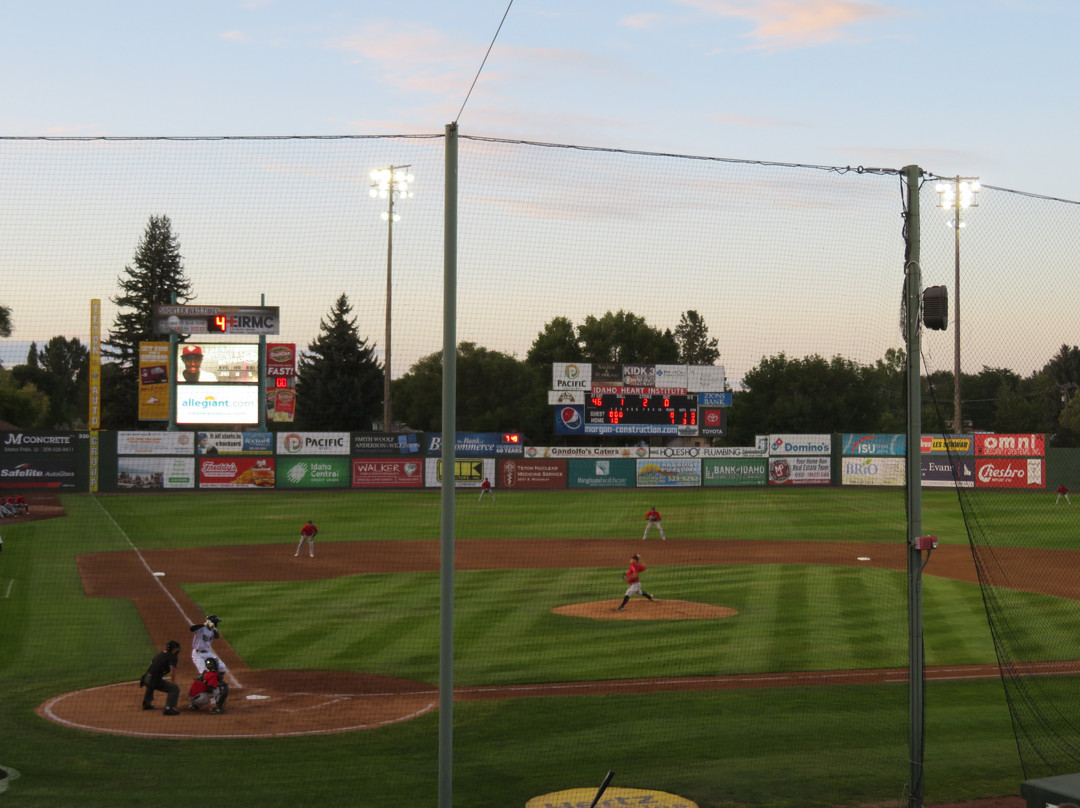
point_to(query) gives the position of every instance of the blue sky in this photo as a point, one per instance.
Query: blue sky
(959, 88)
(971, 88)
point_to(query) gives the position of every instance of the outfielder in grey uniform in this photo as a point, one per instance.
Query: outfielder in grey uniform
(203, 636)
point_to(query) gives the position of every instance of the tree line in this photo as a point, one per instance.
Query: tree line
(340, 381)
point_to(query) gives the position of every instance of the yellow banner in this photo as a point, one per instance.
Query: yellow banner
(95, 364)
(153, 381)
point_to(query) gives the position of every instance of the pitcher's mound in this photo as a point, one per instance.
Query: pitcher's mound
(641, 609)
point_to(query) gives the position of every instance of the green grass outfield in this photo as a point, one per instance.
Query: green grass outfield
(772, 747)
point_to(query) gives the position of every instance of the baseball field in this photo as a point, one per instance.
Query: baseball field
(771, 670)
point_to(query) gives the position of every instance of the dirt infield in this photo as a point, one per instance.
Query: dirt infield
(265, 703)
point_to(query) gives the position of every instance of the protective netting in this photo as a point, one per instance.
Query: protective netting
(778, 674)
(1018, 379)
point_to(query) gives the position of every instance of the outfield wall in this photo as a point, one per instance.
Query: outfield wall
(187, 460)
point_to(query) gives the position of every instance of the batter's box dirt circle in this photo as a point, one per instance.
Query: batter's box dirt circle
(271, 704)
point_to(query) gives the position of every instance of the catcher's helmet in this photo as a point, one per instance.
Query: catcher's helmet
(211, 664)
(213, 618)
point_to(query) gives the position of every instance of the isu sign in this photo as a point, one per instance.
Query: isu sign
(1009, 473)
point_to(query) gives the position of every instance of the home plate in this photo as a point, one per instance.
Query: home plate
(159, 574)
(864, 558)
(256, 696)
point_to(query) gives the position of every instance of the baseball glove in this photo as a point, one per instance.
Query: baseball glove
(624, 576)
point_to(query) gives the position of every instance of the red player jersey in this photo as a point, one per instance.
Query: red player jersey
(632, 574)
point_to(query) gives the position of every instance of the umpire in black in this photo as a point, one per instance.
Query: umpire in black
(161, 666)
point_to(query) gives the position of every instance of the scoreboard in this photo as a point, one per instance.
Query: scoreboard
(177, 319)
(648, 410)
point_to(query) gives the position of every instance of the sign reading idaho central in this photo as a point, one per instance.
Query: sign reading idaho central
(612, 798)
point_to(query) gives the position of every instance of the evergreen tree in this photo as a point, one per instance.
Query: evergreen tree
(59, 370)
(695, 345)
(5, 321)
(339, 384)
(155, 275)
(157, 272)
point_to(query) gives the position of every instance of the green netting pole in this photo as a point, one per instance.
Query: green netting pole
(449, 475)
(913, 469)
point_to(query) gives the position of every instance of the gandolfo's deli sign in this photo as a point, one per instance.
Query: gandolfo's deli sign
(281, 359)
(236, 472)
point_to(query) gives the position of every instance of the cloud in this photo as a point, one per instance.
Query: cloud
(790, 24)
(641, 21)
(234, 36)
(753, 122)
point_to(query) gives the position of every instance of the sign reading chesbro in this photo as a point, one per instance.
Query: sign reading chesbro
(612, 798)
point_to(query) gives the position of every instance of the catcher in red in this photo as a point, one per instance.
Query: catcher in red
(652, 519)
(633, 577)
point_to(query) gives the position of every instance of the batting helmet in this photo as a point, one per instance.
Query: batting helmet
(211, 664)
(213, 618)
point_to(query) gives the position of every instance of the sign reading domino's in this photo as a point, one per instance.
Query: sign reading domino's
(799, 445)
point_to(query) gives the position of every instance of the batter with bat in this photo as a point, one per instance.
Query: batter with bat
(202, 637)
(633, 577)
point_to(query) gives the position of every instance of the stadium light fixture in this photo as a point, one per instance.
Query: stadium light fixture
(958, 194)
(390, 184)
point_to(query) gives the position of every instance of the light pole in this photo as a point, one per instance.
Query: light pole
(958, 194)
(385, 184)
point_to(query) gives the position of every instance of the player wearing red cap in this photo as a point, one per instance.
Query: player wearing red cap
(192, 358)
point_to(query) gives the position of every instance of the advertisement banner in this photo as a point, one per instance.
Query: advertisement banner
(312, 472)
(606, 373)
(532, 474)
(1033, 445)
(586, 451)
(381, 444)
(734, 472)
(236, 472)
(887, 445)
(37, 471)
(153, 381)
(873, 470)
(235, 443)
(713, 422)
(665, 473)
(39, 442)
(281, 405)
(571, 375)
(799, 445)
(761, 450)
(468, 472)
(671, 376)
(149, 473)
(706, 379)
(947, 444)
(389, 472)
(473, 444)
(1009, 473)
(602, 473)
(280, 359)
(799, 471)
(556, 397)
(946, 472)
(313, 443)
(218, 404)
(155, 443)
(714, 399)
